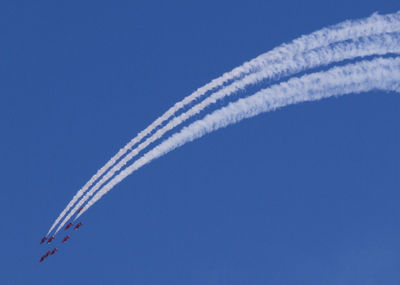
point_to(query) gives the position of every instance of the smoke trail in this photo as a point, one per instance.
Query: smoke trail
(375, 24)
(382, 44)
(382, 74)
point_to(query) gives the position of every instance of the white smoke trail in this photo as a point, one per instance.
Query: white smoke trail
(374, 45)
(375, 24)
(382, 74)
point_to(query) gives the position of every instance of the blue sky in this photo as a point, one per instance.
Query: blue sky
(304, 195)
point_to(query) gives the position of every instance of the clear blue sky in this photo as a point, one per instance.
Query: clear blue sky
(305, 195)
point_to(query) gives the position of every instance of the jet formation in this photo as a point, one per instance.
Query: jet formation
(51, 238)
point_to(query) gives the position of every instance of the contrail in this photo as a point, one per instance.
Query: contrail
(364, 76)
(366, 46)
(375, 24)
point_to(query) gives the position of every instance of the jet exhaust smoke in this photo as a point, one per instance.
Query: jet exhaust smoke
(376, 35)
(381, 74)
(375, 45)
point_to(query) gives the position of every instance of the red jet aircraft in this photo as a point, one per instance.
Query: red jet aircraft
(68, 226)
(66, 238)
(44, 256)
(78, 226)
(43, 240)
(53, 251)
(50, 239)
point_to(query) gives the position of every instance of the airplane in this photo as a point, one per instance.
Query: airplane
(66, 238)
(78, 226)
(68, 226)
(53, 251)
(43, 240)
(80, 209)
(50, 239)
(44, 256)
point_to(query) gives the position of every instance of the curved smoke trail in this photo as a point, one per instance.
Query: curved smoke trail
(375, 24)
(375, 45)
(364, 76)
